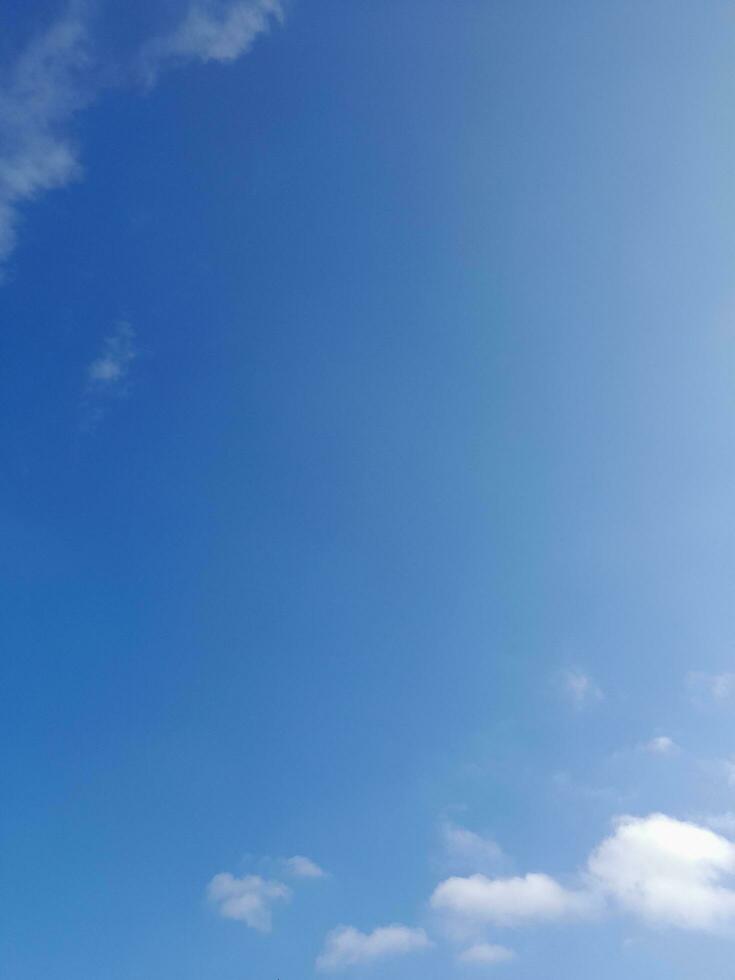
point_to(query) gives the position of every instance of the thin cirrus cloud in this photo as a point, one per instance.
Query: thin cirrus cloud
(581, 689)
(210, 31)
(249, 899)
(712, 688)
(56, 77)
(662, 871)
(346, 946)
(302, 867)
(109, 371)
(463, 848)
(486, 954)
(661, 745)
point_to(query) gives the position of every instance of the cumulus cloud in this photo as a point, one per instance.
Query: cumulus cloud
(302, 867)
(55, 77)
(479, 900)
(662, 871)
(346, 946)
(581, 689)
(212, 30)
(486, 954)
(464, 848)
(667, 872)
(249, 899)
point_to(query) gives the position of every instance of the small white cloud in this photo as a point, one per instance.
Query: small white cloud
(111, 368)
(478, 900)
(581, 689)
(302, 867)
(486, 954)
(661, 745)
(212, 30)
(466, 850)
(249, 899)
(346, 946)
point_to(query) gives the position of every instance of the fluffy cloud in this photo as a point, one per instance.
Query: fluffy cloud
(667, 872)
(302, 867)
(249, 899)
(663, 871)
(345, 946)
(486, 954)
(212, 30)
(480, 900)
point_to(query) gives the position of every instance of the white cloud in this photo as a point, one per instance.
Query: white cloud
(479, 900)
(661, 745)
(464, 848)
(249, 899)
(302, 867)
(212, 30)
(346, 946)
(581, 689)
(662, 871)
(111, 368)
(52, 80)
(667, 872)
(45, 88)
(486, 954)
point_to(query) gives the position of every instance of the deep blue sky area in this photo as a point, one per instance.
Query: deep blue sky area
(366, 497)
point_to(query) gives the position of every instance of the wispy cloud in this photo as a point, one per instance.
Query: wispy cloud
(302, 867)
(109, 371)
(465, 849)
(580, 688)
(712, 688)
(249, 899)
(346, 946)
(211, 30)
(486, 954)
(661, 745)
(56, 77)
(46, 87)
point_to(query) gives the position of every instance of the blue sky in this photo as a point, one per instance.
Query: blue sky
(366, 511)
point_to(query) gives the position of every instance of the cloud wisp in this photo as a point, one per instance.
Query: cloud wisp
(108, 372)
(581, 690)
(211, 30)
(47, 86)
(302, 867)
(56, 77)
(346, 946)
(464, 849)
(249, 899)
